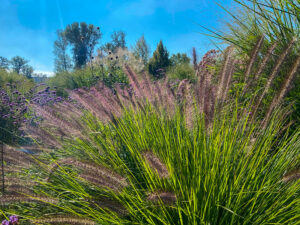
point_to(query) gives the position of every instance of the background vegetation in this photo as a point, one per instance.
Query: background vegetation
(120, 137)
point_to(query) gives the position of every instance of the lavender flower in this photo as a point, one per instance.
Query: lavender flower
(14, 219)
(5, 222)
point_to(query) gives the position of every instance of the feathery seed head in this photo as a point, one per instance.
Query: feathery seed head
(165, 197)
(156, 164)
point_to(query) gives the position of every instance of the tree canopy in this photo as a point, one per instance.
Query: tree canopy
(20, 66)
(179, 58)
(62, 59)
(142, 50)
(83, 39)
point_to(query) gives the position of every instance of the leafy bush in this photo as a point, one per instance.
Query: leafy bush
(22, 83)
(86, 77)
(181, 72)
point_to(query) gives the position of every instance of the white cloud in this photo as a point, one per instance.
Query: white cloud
(47, 73)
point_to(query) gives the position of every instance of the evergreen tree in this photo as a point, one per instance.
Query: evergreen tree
(142, 50)
(159, 61)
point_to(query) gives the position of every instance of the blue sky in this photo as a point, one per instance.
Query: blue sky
(28, 27)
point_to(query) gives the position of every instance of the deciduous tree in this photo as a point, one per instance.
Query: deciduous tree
(4, 63)
(142, 50)
(62, 59)
(83, 38)
(18, 63)
(117, 41)
(179, 58)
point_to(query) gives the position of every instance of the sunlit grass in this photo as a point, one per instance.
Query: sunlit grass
(230, 173)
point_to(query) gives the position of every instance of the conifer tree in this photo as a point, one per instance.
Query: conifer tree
(159, 61)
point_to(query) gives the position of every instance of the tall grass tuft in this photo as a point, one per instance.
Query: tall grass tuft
(234, 173)
(154, 154)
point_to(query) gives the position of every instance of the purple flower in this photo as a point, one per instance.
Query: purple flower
(14, 219)
(5, 222)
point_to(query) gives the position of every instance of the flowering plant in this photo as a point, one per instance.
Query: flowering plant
(13, 109)
(12, 221)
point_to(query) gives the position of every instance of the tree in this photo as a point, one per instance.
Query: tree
(84, 38)
(62, 60)
(117, 41)
(142, 50)
(108, 48)
(179, 58)
(27, 71)
(4, 63)
(159, 61)
(18, 63)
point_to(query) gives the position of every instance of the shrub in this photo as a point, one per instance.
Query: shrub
(118, 59)
(22, 83)
(110, 73)
(181, 72)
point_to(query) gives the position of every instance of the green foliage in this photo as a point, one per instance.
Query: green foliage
(229, 174)
(279, 22)
(18, 63)
(22, 83)
(160, 60)
(83, 38)
(86, 77)
(4, 63)
(142, 50)
(179, 58)
(20, 66)
(117, 41)
(182, 71)
(62, 60)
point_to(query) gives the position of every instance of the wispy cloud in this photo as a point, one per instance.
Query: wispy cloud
(60, 14)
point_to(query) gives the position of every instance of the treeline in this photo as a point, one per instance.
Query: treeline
(80, 60)
(18, 65)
